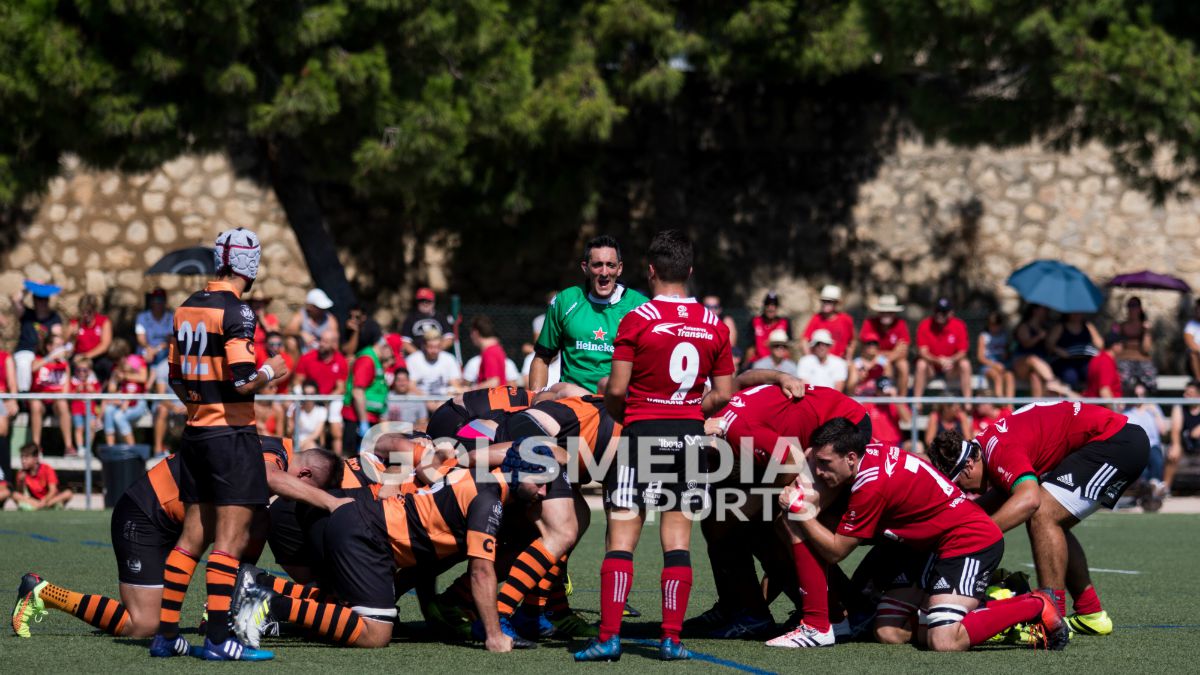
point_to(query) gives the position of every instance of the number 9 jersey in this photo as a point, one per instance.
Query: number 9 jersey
(675, 345)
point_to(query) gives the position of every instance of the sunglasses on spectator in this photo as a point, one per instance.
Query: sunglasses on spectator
(275, 345)
(713, 308)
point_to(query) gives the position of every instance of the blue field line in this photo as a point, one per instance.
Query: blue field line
(709, 658)
(98, 544)
(42, 537)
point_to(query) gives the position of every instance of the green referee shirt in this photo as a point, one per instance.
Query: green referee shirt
(582, 329)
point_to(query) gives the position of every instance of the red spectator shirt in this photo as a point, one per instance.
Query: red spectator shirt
(887, 337)
(90, 386)
(948, 340)
(260, 357)
(840, 326)
(762, 331)
(1033, 440)
(900, 496)
(39, 481)
(396, 342)
(492, 363)
(51, 378)
(674, 346)
(4, 357)
(269, 324)
(763, 416)
(1102, 372)
(88, 336)
(885, 423)
(324, 373)
(361, 376)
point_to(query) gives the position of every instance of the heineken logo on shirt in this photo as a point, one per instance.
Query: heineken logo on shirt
(589, 346)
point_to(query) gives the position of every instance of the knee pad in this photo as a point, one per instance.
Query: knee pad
(891, 608)
(946, 614)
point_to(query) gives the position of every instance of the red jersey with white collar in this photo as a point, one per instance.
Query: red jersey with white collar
(675, 345)
(763, 415)
(904, 498)
(1034, 439)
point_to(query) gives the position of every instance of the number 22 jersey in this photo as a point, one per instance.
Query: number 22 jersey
(675, 345)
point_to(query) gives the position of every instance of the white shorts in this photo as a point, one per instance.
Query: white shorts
(335, 412)
(1073, 501)
(23, 360)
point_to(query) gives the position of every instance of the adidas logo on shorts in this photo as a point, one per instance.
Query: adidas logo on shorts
(941, 585)
(1067, 480)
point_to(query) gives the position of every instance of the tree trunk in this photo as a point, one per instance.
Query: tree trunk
(299, 200)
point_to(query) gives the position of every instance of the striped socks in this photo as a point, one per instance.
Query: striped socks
(616, 579)
(104, 613)
(181, 565)
(527, 572)
(220, 575)
(336, 623)
(676, 583)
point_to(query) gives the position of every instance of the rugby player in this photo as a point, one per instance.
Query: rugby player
(582, 321)
(665, 352)
(951, 547)
(147, 521)
(1085, 456)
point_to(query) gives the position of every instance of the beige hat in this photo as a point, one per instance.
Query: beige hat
(778, 336)
(831, 292)
(887, 303)
(820, 336)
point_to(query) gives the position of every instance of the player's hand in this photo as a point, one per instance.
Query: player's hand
(792, 386)
(339, 502)
(499, 643)
(279, 366)
(800, 499)
(714, 426)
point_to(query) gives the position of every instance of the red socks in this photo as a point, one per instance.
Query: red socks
(1060, 600)
(616, 579)
(997, 615)
(676, 588)
(814, 584)
(1088, 602)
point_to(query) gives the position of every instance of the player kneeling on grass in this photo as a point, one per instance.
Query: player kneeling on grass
(1085, 455)
(955, 546)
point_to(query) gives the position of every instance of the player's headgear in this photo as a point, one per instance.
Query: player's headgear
(238, 252)
(968, 449)
(516, 467)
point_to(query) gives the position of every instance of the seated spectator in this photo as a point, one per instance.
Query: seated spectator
(308, 324)
(1136, 362)
(37, 483)
(820, 367)
(84, 381)
(1071, 344)
(130, 376)
(365, 402)
(422, 319)
(267, 322)
(413, 412)
(766, 323)
(52, 375)
(992, 350)
(1030, 356)
(984, 414)
(942, 346)
(276, 345)
(886, 418)
(270, 417)
(154, 328)
(713, 304)
(779, 356)
(433, 372)
(869, 366)
(1185, 431)
(891, 332)
(948, 417)
(1150, 418)
(90, 335)
(310, 419)
(1103, 379)
(326, 369)
(838, 323)
(1191, 338)
(492, 366)
(470, 372)
(9, 407)
(35, 322)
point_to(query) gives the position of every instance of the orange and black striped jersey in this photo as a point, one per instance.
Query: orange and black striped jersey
(362, 471)
(457, 515)
(480, 402)
(212, 354)
(582, 417)
(277, 452)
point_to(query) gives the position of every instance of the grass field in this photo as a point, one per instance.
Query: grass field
(1142, 563)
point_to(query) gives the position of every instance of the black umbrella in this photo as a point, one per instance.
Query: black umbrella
(195, 260)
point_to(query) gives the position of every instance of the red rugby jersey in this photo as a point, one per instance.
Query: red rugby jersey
(764, 415)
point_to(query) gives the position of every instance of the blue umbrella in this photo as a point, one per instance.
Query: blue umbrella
(1057, 285)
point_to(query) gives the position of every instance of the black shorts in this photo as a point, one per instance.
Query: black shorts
(652, 471)
(519, 426)
(360, 560)
(223, 470)
(141, 544)
(296, 532)
(447, 420)
(1099, 472)
(968, 575)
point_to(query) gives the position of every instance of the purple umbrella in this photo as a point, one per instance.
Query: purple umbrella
(1153, 280)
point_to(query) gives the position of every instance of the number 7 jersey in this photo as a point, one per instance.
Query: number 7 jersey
(675, 345)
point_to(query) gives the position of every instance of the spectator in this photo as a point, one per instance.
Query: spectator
(311, 418)
(992, 350)
(887, 418)
(433, 372)
(37, 483)
(839, 324)
(269, 416)
(276, 345)
(1029, 353)
(948, 417)
(52, 375)
(421, 319)
(713, 303)
(267, 322)
(308, 324)
(891, 332)
(470, 371)
(1072, 343)
(9, 408)
(349, 336)
(405, 411)
(154, 328)
(1103, 380)
(1191, 338)
(779, 356)
(1136, 362)
(365, 401)
(130, 376)
(555, 367)
(942, 346)
(1150, 417)
(91, 334)
(326, 369)
(84, 381)
(766, 323)
(492, 369)
(821, 368)
(35, 324)
(868, 366)
(984, 414)
(1185, 431)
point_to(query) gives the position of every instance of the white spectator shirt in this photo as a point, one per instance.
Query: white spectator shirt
(555, 370)
(433, 378)
(1193, 328)
(470, 371)
(765, 363)
(828, 374)
(308, 421)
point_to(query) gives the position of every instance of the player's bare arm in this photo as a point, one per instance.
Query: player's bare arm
(791, 385)
(618, 387)
(717, 397)
(483, 590)
(1020, 507)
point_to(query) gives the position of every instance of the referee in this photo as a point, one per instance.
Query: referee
(222, 478)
